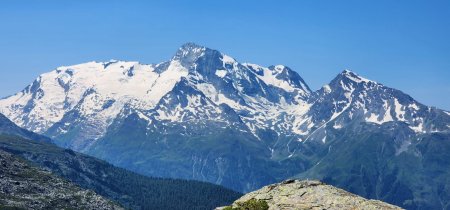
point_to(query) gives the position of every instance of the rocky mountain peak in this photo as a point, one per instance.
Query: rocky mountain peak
(348, 81)
(285, 73)
(354, 76)
(189, 53)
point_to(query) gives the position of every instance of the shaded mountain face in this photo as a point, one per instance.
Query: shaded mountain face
(203, 115)
(388, 162)
(66, 175)
(9, 128)
(130, 190)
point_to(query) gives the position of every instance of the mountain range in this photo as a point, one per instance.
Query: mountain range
(205, 116)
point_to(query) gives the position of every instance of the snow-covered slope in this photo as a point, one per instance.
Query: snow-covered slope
(99, 89)
(89, 95)
(82, 100)
(350, 98)
(78, 103)
(204, 115)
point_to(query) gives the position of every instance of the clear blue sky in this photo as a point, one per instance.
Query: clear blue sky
(404, 44)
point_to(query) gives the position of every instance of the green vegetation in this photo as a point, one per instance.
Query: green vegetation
(251, 204)
(2, 207)
(374, 167)
(131, 190)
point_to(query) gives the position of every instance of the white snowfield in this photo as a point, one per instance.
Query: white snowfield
(90, 86)
(100, 91)
(63, 89)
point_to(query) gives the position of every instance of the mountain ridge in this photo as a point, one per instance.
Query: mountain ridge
(203, 115)
(185, 58)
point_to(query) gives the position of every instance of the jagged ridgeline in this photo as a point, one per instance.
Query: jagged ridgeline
(203, 115)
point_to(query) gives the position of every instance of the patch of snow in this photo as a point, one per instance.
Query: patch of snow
(221, 73)
(228, 59)
(387, 117)
(172, 115)
(414, 106)
(217, 97)
(337, 125)
(327, 89)
(334, 116)
(399, 110)
(144, 117)
(255, 67)
(62, 131)
(346, 88)
(387, 114)
(418, 129)
(373, 118)
(279, 68)
(269, 78)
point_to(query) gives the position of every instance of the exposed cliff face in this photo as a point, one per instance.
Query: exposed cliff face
(296, 194)
(23, 186)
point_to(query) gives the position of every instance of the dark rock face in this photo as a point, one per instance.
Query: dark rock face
(27, 187)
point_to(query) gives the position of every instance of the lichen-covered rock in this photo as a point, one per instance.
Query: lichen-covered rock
(23, 186)
(314, 195)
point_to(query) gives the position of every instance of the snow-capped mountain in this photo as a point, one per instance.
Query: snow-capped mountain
(350, 97)
(204, 115)
(88, 97)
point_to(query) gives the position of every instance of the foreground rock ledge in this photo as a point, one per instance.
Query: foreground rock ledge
(296, 194)
(23, 186)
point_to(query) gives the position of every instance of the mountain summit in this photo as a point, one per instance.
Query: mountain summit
(203, 115)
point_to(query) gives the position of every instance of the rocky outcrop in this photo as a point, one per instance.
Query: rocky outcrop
(296, 194)
(23, 186)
